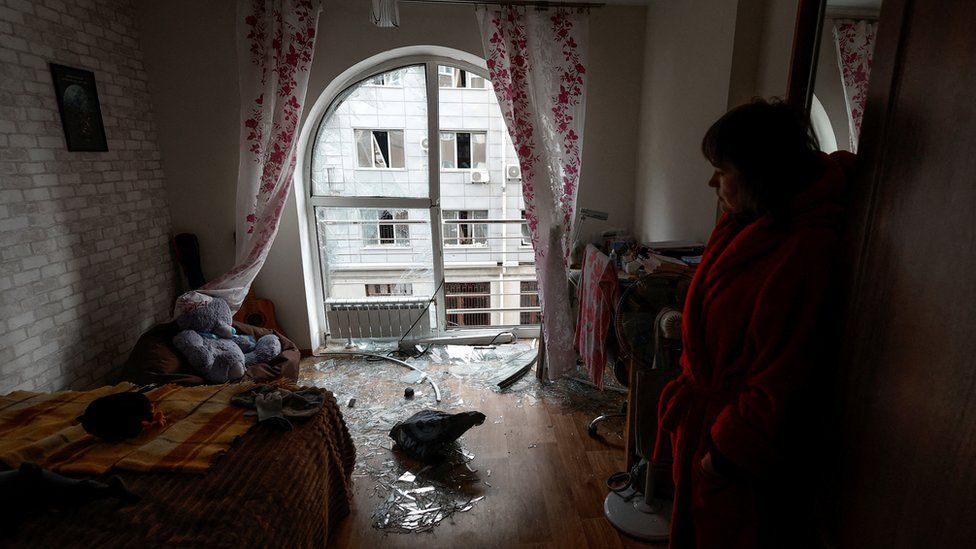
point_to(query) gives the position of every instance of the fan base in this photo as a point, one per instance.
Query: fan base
(636, 518)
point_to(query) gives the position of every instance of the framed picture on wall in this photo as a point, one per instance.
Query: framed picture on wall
(81, 116)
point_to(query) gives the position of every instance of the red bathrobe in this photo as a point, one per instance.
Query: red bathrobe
(753, 330)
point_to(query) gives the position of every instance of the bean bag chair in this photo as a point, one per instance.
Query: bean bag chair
(154, 359)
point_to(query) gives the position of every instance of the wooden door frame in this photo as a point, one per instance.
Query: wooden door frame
(803, 56)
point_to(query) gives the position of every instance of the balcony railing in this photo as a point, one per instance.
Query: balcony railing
(488, 282)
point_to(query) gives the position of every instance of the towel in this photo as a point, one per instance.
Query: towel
(201, 424)
(599, 291)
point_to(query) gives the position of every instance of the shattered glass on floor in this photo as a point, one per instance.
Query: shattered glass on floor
(409, 495)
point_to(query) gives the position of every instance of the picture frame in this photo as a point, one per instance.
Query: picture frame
(81, 113)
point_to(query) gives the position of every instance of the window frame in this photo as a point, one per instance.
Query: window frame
(471, 145)
(468, 74)
(398, 242)
(403, 134)
(429, 57)
(457, 239)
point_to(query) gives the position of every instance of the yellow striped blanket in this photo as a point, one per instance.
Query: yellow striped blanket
(201, 424)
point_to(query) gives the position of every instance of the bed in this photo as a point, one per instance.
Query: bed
(271, 489)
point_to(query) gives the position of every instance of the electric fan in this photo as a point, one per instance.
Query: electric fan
(648, 328)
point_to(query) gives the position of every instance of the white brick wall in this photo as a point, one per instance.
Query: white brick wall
(85, 265)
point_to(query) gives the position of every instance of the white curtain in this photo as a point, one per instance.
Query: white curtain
(855, 51)
(275, 42)
(537, 64)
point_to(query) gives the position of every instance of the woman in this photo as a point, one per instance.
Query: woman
(740, 416)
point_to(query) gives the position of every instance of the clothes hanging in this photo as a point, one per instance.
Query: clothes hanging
(599, 292)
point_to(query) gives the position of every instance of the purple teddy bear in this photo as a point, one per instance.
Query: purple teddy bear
(212, 347)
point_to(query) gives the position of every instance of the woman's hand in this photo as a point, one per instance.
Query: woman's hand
(708, 466)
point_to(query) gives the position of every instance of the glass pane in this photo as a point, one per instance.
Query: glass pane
(448, 150)
(381, 149)
(463, 150)
(479, 231)
(445, 76)
(371, 235)
(486, 255)
(475, 81)
(394, 78)
(364, 148)
(479, 151)
(396, 149)
(370, 141)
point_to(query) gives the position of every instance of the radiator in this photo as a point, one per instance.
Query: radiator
(386, 318)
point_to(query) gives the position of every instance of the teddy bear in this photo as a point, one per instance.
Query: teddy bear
(212, 346)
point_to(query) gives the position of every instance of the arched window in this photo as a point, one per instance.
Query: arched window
(413, 183)
(822, 127)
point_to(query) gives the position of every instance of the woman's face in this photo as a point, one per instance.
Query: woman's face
(727, 184)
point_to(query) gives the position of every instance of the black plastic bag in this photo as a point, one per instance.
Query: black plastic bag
(427, 434)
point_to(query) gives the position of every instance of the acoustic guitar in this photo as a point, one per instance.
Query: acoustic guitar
(257, 312)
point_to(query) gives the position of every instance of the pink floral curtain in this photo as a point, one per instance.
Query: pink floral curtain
(855, 50)
(275, 42)
(537, 63)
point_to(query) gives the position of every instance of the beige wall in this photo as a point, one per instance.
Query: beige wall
(779, 22)
(702, 57)
(687, 67)
(192, 68)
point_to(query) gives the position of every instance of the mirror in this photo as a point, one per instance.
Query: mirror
(831, 66)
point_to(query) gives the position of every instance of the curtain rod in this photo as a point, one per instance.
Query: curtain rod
(529, 3)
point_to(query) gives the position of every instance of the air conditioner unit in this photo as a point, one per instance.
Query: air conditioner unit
(513, 171)
(479, 176)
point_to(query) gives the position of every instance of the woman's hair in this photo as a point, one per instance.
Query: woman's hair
(772, 145)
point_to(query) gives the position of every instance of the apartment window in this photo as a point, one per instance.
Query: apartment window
(466, 234)
(526, 237)
(468, 295)
(452, 77)
(387, 79)
(464, 150)
(378, 233)
(381, 290)
(379, 148)
(376, 213)
(529, 297)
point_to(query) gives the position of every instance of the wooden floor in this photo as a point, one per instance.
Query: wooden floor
(547, 481)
